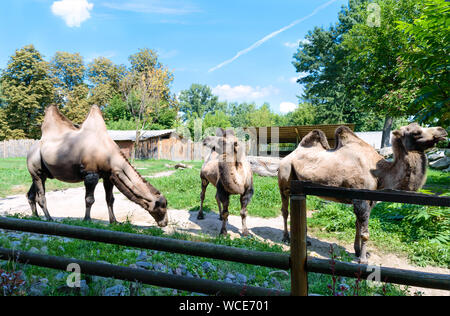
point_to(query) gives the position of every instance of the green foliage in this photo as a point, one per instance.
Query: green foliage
(198, 101)
(425, 61)
(27, 89)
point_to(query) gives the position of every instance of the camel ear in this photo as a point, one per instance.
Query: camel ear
(220, 132)
(398, 133)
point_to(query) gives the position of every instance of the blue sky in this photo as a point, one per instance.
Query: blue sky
(242, 49)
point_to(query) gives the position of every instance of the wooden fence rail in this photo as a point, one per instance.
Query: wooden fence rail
(297, 262)
(301, 264)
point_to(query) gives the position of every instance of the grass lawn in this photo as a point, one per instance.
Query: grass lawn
(422, 233)
(160, 261)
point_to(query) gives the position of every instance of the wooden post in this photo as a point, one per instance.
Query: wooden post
(299, 276)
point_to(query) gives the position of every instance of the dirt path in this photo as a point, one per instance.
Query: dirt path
(70, 203)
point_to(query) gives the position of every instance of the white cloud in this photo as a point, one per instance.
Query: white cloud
(243, 93)
(73, 12)
(296, 44)
(286, 107)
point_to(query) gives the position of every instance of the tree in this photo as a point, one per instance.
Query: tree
(69, 69)
(198, 101)
(262, 117)
(27, 90)
(373, 51)
(146, 90)
(426, 60)
(105, 78)
(240, 114)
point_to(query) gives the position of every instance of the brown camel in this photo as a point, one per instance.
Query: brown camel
(355, 164)
(228, 170)
(87, 153)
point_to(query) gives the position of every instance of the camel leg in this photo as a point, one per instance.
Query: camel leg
(219, 205)
(224, 198)
(245, 200)
(362, 211)
(90, 182)
(285, 213)
(108, 185)
(31, 195)
(40, 196)
(205, 183)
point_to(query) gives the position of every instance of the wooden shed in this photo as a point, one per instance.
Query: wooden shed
(286, 138)
(149, 143)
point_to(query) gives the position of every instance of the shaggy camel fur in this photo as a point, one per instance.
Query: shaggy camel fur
(355, 164)
(71, 154)
(228, 170)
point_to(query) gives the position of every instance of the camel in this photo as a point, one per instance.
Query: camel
(228, 170)
(355, 164)
(85, 154)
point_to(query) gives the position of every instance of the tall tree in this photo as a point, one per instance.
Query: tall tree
(146, 90)
(198, 101)
(426, 62)
(69, 73)
(27, 89)
(104, 77)
(373, 52)
(325, 72)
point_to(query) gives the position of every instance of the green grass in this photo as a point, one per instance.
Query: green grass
(419, 232)
(124, 256)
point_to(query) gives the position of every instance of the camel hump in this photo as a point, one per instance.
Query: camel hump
(94, 120)
(344, 135)
(54, 120)
(315, 137)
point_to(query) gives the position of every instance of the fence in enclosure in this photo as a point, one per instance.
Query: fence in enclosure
(297, 261)
(16, 148)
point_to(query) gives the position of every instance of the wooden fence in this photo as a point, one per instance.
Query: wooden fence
(16, 148)
(297, 261)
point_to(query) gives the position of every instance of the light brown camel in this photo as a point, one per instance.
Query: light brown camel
(355, 164)
(86, 154)
(229, 171)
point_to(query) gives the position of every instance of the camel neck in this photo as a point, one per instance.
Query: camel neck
(407, 172)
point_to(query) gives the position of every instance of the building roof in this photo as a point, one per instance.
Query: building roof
(131, 135)
(293, 134)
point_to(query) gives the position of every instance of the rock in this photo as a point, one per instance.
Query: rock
(160, 267)
(441, 164)
(447, 152)
(436, 155)
(117, 290)
(143, 256)
(144, 265)
(264, 166)
(228, 280)
(38, 289)
(61, 276)
(208, 266)
(44, 250)
(240, 278)
(34, 250)
(387, 152)
(230, 276)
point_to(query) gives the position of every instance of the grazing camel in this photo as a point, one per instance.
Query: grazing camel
(86, 154)
(355, 164)
(228, 170)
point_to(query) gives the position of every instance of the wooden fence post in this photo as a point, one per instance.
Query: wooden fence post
(299, 275)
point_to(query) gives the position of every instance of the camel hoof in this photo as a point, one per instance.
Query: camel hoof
(87, 219)
(49, 219)
(363, 261)
(245, 233)
(223, 233)
(200, 216)
(286, 239)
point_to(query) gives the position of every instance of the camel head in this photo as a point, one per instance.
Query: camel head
(416, 138)
(227, 145)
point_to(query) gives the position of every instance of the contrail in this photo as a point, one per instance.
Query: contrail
(272, 35)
